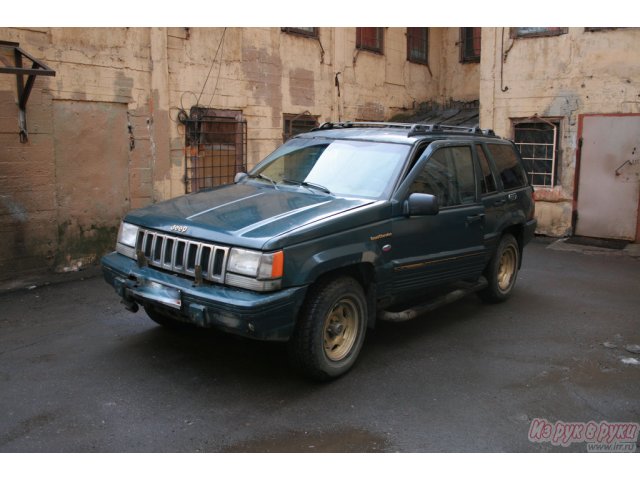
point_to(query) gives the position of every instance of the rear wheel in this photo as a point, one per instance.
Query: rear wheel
(502, 271)
(330, 329)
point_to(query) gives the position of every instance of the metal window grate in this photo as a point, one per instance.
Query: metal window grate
(418, 44)
(538, 147)
(295, 124)
(216, 149)
(369, 38)
(470, 44)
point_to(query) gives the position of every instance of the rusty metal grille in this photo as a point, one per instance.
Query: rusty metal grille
(418, 44)
(369, 38)
(216, 149)
(470, 44)
(295, 124)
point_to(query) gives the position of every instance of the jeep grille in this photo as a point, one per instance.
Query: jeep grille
(180, 255)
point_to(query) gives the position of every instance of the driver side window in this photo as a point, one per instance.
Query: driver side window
(448, 174)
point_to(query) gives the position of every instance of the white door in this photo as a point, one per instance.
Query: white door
(609, 183)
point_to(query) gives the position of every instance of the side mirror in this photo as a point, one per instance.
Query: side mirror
(421, 204)
(239, 176)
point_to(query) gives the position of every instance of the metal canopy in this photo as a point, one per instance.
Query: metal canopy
(13, 63)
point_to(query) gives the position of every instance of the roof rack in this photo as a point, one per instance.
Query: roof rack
(414, 129)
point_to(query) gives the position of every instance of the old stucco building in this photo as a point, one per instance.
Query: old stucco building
(139, 115)
(585, 84)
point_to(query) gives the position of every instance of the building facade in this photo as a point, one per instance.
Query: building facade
(140, 115)
(570, 98)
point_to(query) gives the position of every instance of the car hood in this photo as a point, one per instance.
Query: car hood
(243, 214)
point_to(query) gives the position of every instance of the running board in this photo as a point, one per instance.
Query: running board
(411, 313)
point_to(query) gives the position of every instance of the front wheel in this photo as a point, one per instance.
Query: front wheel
(330, 329)
(502, 271)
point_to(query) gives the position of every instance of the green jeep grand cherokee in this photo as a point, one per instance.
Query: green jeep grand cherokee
(337, 228)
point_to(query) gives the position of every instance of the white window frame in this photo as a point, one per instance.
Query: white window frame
(549, 147)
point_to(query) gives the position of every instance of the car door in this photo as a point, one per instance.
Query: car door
(491, 197)
(437, 249)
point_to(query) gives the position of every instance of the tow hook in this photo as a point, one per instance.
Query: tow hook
(130, 305)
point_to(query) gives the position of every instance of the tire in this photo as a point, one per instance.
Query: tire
(502, 271)
(330, 330)
(164, 320)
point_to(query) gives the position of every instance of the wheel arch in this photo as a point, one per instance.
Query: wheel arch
(365, 274)
(517, 231)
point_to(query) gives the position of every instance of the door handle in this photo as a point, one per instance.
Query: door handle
(475, 218)
(497, 203)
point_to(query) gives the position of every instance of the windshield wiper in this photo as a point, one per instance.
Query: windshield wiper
(264, 177)
(309, 185)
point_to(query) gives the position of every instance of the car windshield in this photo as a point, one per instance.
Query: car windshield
(339, 167)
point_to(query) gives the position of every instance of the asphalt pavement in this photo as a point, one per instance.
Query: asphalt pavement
(78, 373)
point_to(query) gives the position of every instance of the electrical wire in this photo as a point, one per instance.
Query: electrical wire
(212, 64)
(215, 87)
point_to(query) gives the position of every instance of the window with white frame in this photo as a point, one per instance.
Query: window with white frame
(538, 142)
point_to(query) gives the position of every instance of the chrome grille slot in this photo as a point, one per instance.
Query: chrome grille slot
(192, 256)
(178, 259)
(205, 259)
(157, 249)
(180, 255)
(218, 261)
(168, 254)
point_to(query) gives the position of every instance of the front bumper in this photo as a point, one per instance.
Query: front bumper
(264, 316)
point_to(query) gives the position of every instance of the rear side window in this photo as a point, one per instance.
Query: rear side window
(488, 183)
(506, 160)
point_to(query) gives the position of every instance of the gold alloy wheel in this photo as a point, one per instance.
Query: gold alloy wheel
(341, 329)
(507, 268)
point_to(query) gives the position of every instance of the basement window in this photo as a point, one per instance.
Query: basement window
(525, 32)
(305, 31)
(296, 124)
(538, 142)
(369, 38)
(470, 44)
(418, 44)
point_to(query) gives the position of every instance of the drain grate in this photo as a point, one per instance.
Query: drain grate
(598, 242)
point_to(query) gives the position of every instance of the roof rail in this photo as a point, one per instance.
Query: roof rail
(414, 129)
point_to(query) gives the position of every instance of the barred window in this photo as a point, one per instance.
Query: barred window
(418, 44)
(538, 145)
(216, 142)
(295, 124)
(470, 44)
(369, 38)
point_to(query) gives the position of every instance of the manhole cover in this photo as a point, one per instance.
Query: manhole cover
(598, 242)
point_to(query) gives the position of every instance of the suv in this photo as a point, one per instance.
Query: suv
(339, 227)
